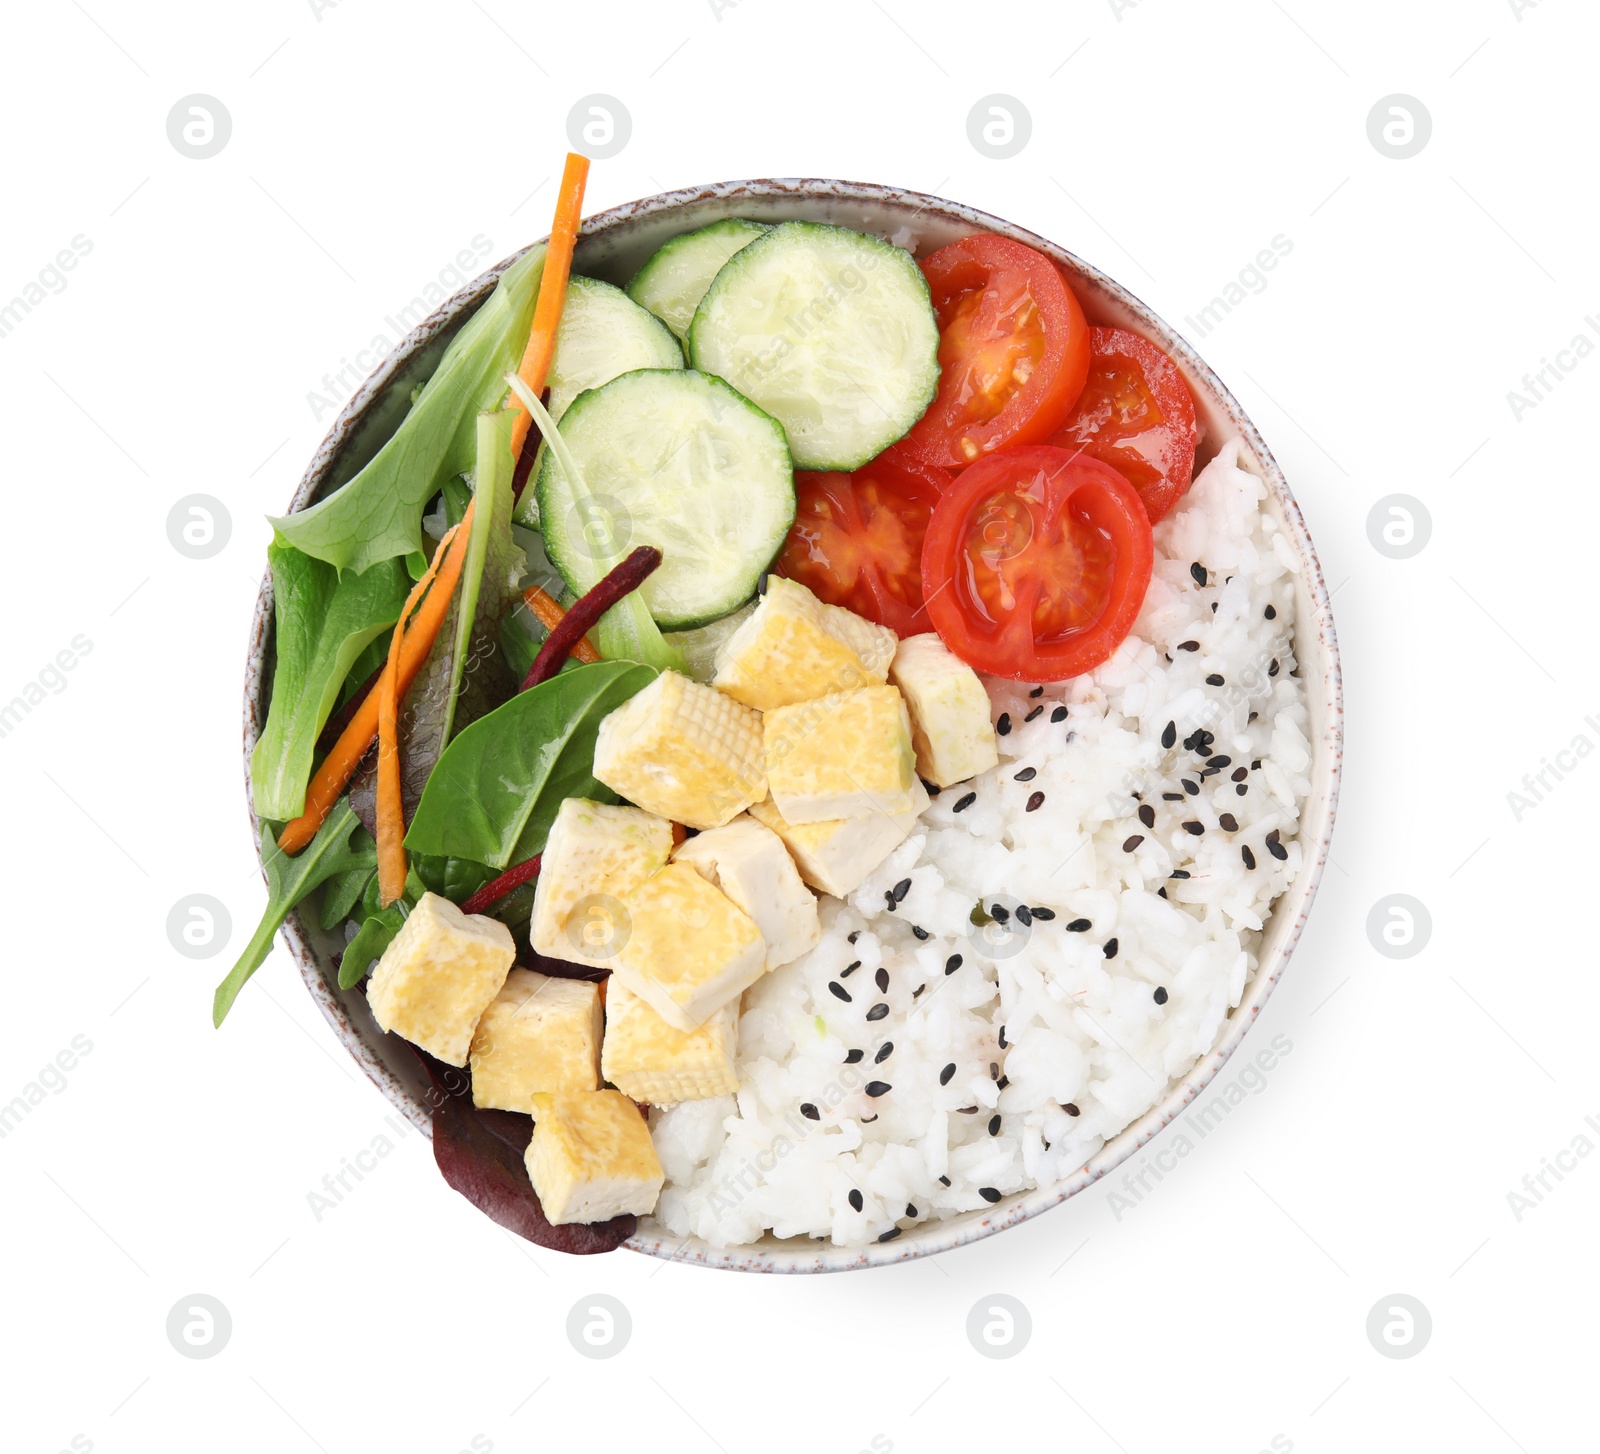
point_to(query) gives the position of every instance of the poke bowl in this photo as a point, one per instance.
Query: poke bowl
(1233, 961)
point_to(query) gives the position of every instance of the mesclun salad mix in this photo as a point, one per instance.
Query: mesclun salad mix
(793, 744)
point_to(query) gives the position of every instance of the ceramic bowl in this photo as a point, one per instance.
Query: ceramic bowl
(612, 246)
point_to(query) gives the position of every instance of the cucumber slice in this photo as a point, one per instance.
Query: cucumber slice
(675, 459)
(604, 333)
(830, 331)
(674, 280)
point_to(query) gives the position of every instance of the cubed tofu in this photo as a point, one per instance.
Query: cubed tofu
(683, 750)
(658, 1063)
(591, 1157)
(836, 857)
(594, 852)
(685, 948)
(795, 648)
(438, 976)
(748, 862)
(841, 756)
(950, 727)
(538, 1034)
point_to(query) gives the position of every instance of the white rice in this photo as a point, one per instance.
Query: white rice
(1080, 1029)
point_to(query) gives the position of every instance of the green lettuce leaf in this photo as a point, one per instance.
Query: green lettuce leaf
(289, 880)
(324, 624)
(378, 514)
(499, 784)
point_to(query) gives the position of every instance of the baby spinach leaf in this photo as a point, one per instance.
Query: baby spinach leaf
(378, 514)
(324, 623)
(497, 787)
(342, 891)
(288, 881)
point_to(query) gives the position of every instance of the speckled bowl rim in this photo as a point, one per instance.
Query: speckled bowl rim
(1315, 643)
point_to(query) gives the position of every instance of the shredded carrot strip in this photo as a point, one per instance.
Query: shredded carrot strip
(339, 766)
(548, 610)
(552, 292)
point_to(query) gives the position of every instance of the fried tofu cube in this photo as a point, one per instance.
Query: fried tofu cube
(683, 750)
(438, 976)
(538, 1034)
(594, 852)
(836, 857)
(748, 862)
(685, 948)
(794, 648)
(591, 1157)
(841, 756)
(659, 1064)
(950, 727)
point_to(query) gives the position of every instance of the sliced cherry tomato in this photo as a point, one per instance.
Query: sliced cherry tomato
(1137, 415)
(857, 538)
(1036, 563)
(1013, 350)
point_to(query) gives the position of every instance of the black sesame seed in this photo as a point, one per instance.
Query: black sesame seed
(931, 789)
(1027, 775)
(1147, 815)
(965, 801)
(1277, 850)
(999, 913)
(1241, 790)
(838, 991)
(1215, 679)
(1255, 765)
(944, 1181)
(1034, 803)
(1219, 761)
(920, 932)
(876, 1088)
(947, 1074)
(1169, 734)
(1198, 571)
(1111, 949)
(1034, 713)
(868, 1120)
(1188, 646)
(911, 1209)
(989, 1194)
(1036, 692)
(1228, 823)
(881, 979)
(1130, 843)
(917, 992)
(1179, 873)
(856, 1199)
(1071, 1109)
(1160, 995)
(1077, 926)
(1239, 774)
(1059, 715)
(1002, 1037)
(850, 969)
(1248, 857)
(1271, 613)
(889, 900)
(1003, 1082)
(1272, 670)
(1003, 723)
(1214, 606)
(1252, 717)
(890, 1235)
(1192, 788)
(994, 1125)
(1044, 915)
(994, 1070)
(1172, 797)
(1024, 915)
(952, 964)
(901, 889)
(884, 1052)
(854, 1057)
(1206, 772)
(853, 935)
(967, 1111)
(878, 1011)
(1193, 827)
(1161, 892)
(810, 1112)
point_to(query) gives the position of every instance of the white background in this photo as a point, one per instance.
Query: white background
(1170, 143)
